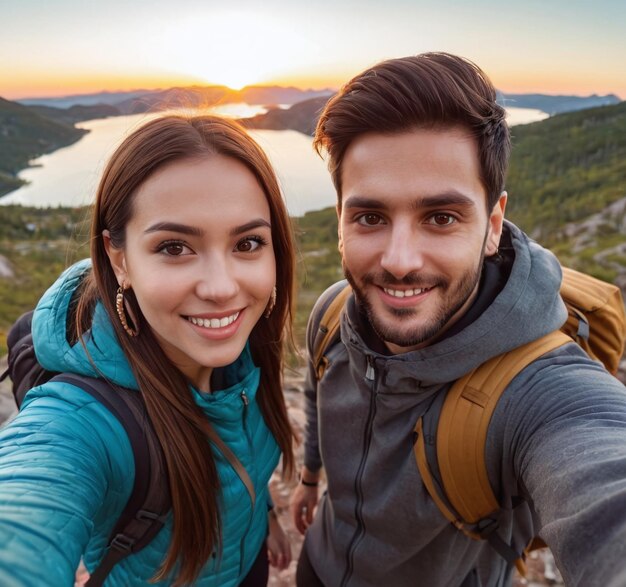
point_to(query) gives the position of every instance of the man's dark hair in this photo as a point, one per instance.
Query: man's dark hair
(431, 90)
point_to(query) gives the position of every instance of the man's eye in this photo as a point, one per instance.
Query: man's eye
(369, 219)
(442, 219)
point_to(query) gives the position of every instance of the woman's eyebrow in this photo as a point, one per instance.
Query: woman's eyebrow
(257, 223)
(175, 227)
(196, 231)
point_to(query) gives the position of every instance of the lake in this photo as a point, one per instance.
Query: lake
(69, 176)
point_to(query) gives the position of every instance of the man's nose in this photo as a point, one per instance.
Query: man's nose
(403, 252)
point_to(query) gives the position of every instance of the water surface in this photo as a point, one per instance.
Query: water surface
(69, 176)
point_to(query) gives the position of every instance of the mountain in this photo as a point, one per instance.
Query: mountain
(24, 135)
(301, 117)
(110, 98)
(279, 95)
(139, 101)
(176, 98)
(76, 113)
(192, 97)
(556, 104)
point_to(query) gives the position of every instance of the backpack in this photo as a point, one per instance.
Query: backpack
(449, 446)
(150, 500)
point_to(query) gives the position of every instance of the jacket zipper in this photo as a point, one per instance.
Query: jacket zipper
(370, 375)
(245, 401)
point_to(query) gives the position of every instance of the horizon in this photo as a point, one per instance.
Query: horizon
(270, 85)
(174, 87)
(565, 47)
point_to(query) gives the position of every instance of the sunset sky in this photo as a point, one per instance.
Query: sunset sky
(61, 47)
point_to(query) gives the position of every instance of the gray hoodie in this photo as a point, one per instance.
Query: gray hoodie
(556, 449)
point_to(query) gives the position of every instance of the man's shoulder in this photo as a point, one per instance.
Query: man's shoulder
(326, 298)
(321, 306)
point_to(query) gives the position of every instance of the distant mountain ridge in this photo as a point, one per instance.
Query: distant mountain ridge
(24, 135)
(303, 115)
(138, 101)
(29, 131)
(552, 105)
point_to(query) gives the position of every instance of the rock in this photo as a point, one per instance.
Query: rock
(6, 270)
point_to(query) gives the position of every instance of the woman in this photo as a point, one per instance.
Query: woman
(187, 302)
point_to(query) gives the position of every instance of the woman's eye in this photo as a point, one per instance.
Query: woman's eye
(442, 219)
(249, 244)
(369, 219)
(173, 249)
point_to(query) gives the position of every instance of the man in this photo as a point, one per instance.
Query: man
(418, 151)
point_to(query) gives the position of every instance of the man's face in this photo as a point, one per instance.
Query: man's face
(414, 229)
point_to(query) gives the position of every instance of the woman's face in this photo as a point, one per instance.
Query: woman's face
(200, 261)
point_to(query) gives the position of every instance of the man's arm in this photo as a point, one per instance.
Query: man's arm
(563, 428)
(306, 495)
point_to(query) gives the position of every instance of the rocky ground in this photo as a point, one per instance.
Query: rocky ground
(541, 569)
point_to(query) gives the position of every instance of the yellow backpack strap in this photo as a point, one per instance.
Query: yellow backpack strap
(329, 327)
(463, 492)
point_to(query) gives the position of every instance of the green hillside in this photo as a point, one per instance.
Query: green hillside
(566, 168)
(563, 170)
(36, 244)
(24, 135)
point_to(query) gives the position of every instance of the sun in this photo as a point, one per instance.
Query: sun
(233, 48)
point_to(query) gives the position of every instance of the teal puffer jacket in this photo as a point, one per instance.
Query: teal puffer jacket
(67, 470)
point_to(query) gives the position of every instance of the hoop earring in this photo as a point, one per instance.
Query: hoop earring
(121, 307)
(270, 304)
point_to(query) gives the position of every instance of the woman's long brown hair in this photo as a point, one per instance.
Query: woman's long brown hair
(178, 422)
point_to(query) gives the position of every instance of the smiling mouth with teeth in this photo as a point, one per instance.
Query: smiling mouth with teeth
(405, 293)
(214, 322)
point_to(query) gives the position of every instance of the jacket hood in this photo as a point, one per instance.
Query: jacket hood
(100, 356)
(532, 290)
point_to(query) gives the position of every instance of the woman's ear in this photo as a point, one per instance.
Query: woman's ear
(117, 258)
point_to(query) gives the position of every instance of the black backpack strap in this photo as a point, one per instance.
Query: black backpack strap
(22, 366)
(149, 501)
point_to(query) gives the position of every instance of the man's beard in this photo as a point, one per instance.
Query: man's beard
(451, 301)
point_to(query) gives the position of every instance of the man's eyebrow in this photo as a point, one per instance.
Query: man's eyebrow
(175, 227)
(257, 223)
(363, 202)
(451, 198)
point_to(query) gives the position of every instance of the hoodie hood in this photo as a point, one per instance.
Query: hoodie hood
(101, 355)
(532, 289)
